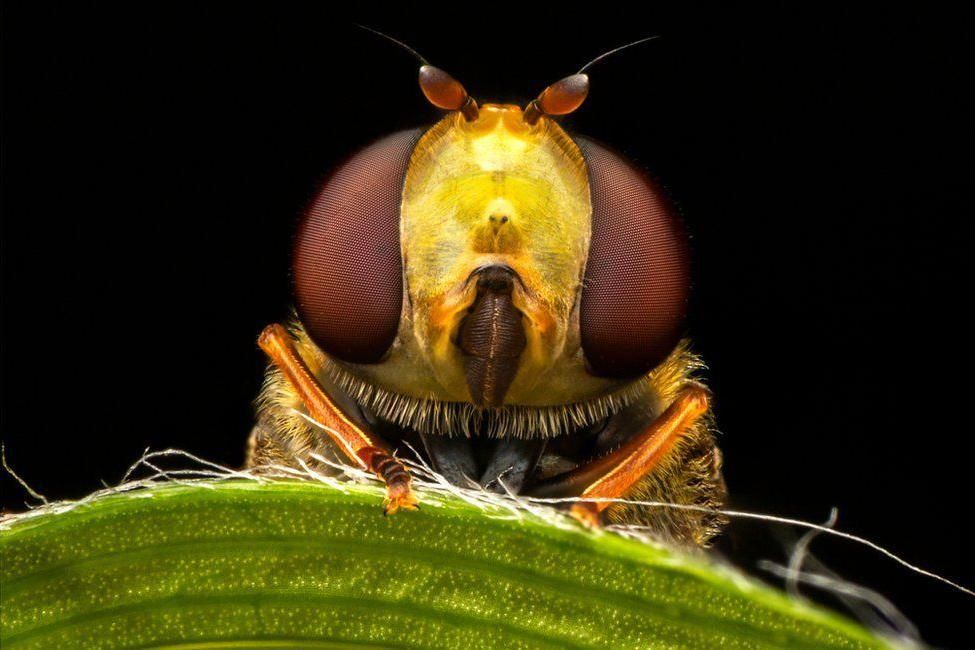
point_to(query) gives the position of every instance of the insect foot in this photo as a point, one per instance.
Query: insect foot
(399, 483)
(397, 498)
(586, 514)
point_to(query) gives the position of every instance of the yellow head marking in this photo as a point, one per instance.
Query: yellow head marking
(495, 191)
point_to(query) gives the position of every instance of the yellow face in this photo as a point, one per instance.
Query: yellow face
(493, 192)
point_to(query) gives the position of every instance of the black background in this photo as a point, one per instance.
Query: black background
(155, 159)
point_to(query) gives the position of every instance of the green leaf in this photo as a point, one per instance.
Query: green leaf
(303, 564)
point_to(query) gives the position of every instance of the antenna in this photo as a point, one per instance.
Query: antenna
(566, 95)
(440, 89)
(614, 51)
(403, 45)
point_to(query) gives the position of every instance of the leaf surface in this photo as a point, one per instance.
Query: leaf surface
(306, 565)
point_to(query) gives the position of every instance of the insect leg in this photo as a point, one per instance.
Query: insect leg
(369, 451)
(611, 476)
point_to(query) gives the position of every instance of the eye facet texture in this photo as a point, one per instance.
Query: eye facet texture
(348, 269)
(637, 278)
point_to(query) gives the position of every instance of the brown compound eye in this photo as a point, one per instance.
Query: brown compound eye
(637, 279)
(347, 265)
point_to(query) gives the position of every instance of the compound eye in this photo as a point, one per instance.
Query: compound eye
(347, 265)
(635, 293)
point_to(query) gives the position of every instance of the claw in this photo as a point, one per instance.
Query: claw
(397, 497)
(586, 514)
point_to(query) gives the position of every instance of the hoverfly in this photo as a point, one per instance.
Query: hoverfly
(509, 299)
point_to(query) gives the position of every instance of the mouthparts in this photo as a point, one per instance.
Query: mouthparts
(492, 337)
